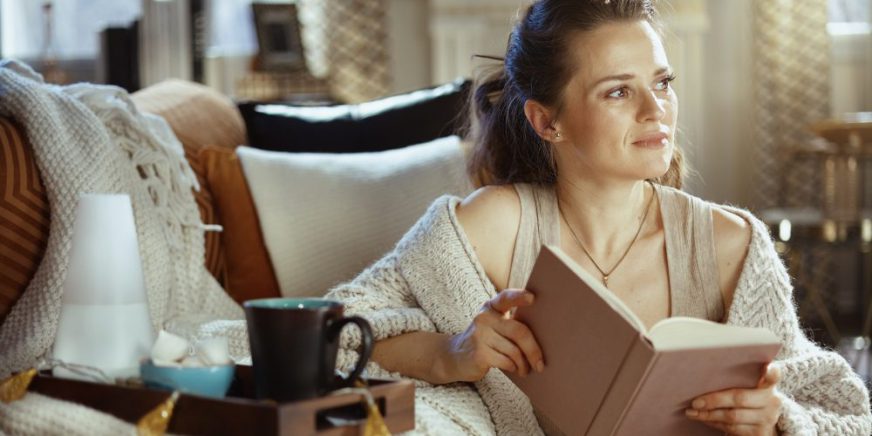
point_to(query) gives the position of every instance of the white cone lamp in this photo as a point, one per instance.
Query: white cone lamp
(104, 321)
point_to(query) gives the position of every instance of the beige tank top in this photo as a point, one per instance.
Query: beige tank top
(694, 290)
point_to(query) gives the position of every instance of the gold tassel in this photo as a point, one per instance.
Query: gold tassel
(15, 387)
(155, 422)
(375, 424)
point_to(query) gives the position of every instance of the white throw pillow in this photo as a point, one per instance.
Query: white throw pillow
(325, 217)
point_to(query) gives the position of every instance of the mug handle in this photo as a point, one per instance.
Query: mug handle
(366, 347)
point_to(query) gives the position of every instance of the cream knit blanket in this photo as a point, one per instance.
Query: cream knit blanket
(92, 139)
(432, 281)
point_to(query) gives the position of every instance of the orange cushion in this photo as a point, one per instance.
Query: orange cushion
(199, 116)
(249, 270)
(24, 216)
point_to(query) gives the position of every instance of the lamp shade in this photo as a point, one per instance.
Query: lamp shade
(104, 321)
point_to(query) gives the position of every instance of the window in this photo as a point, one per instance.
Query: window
(850, 33)
(849, 11)
(75, 25)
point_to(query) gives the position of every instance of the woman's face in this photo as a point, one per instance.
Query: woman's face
(619, 112)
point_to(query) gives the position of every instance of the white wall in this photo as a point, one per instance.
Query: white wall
(727, 169)
(687, 26)
(851, 78)
(409, 44)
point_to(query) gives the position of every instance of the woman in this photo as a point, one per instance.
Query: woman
(575, 147)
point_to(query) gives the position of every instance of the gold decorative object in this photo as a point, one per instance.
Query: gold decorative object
(375, 424)
(155, 422)
(15, 387)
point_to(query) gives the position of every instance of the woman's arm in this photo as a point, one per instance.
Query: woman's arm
(493, 340)
(418, 355)
(390, 295)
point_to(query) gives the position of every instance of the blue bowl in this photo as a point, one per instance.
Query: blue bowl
(209, 381)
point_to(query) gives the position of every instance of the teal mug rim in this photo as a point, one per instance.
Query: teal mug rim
(283, 303)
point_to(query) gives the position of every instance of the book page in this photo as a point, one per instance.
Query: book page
(599, 288)
(684, 333)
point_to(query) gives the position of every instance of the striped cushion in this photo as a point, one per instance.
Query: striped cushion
(24, 215)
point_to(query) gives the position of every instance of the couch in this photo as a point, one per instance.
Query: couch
(211, 127)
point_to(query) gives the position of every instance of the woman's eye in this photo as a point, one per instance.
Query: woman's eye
(618, 93)
(665, 83)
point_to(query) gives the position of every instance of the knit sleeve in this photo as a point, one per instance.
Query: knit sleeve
(819, 391)
(382, 295)
(429, 282)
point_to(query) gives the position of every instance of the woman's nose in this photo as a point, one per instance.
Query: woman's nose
(651, 108)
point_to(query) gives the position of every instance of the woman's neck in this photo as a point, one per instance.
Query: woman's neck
(604, 215)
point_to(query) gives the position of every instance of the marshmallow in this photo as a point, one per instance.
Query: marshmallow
(169, 347)
(214, 351)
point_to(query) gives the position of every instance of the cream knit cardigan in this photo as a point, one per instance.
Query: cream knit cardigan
(88, 138)
(432, 281)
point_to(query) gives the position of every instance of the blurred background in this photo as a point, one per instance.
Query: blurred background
(776, 96)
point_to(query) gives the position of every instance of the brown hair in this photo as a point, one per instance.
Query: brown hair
(506, 148)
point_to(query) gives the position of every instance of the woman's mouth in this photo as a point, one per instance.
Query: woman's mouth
(652, 140)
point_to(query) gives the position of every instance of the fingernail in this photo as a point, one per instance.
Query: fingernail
(540, 366)
(698, 404)
(691, 412)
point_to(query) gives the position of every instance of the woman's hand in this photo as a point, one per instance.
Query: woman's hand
(494, 340)
(751, 412)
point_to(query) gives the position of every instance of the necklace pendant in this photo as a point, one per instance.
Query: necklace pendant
(606, 281)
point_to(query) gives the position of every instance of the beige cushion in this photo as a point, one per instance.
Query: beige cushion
(325, 217)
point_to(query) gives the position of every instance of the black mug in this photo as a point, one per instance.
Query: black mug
(294, 342)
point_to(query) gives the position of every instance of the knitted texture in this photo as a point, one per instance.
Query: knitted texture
(91, 139)
(819, 390)
(432, 281)
(42, 415)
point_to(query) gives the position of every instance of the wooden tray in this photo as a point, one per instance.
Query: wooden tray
(239, 413)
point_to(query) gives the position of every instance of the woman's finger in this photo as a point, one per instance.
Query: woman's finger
(734, 398)
(501, 361)
(508, 299)
(770, 378)
(729, 416)
(509, 349)
(523, 338)
(734, 429)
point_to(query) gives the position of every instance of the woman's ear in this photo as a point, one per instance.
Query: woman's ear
(541, 118)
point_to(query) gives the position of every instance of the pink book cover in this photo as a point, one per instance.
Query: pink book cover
(606, 375)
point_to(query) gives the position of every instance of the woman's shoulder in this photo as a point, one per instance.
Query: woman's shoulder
(489, 201)
(731, 225)
(490, 217)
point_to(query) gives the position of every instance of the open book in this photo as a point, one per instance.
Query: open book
(606, 374)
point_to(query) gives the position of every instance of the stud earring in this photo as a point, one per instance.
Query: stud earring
(557, 134)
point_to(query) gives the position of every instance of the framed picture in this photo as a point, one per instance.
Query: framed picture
(278, 36)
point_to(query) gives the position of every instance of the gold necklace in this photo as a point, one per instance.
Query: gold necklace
(604, 274)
